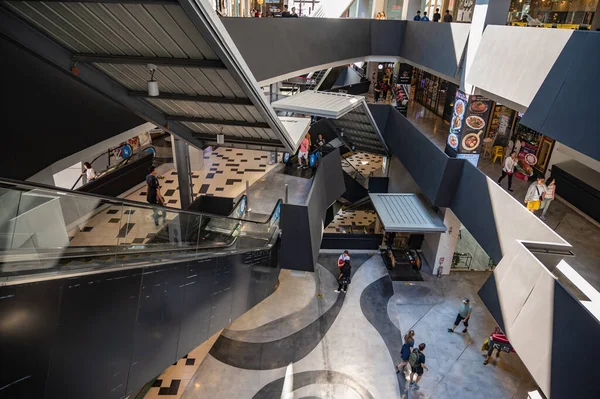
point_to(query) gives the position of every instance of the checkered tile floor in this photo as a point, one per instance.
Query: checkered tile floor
(363, 162)
(352, 222)
(224, 174)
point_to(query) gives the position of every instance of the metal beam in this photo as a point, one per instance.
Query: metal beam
(187, 97)
(152, 2)
(160, 61)
(28, 37)
(239, 140)
(207, 121)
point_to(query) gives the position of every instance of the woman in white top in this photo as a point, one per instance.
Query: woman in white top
(89, 173)
(508, 169)
(534, 195)
(548, 197)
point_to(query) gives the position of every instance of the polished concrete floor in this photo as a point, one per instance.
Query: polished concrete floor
(306, 341)
(579, 231)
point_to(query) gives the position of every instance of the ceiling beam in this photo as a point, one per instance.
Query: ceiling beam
(187, 97)
(207, 121)
(159, 61)
(239, 140)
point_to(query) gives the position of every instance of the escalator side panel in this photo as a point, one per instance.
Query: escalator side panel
(26, 342)
(94, 336)
(196, 305)
(222, 296)
(157, 323)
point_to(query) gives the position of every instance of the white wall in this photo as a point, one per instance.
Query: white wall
(563, 153)
(66, 178)
(442, 245)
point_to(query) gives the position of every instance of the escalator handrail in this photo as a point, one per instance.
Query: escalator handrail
(91, 163)
(115, 201)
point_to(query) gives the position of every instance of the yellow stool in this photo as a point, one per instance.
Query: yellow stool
(497, 152)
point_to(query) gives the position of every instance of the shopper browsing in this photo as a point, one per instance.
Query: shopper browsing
(535, 194)
(407, 347)
(508, 169)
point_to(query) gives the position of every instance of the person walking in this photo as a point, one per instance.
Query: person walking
(447, 16)
(464, 314)
(498, 341)
(535, 194)
(437, 16)
(407, 347)
(342, 259)
(153, 195)
(508, 169)
(417, 364)
(425, 18)
(344, 278)
(418, 16)
(548, 198)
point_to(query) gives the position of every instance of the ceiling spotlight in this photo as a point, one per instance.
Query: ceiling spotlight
(152, 84)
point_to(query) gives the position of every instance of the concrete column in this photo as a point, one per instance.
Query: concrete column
(181, 157)
(410, 8)
(487, 12)
(439, 248)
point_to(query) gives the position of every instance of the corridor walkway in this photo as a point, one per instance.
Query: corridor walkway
(580, 232)
(307, 341)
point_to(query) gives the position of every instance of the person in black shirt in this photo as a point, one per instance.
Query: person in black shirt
(286, 13)
(153, 195)
(417, 366)
(447, 16)
(344, 277)
(437, 16)
(293, 14)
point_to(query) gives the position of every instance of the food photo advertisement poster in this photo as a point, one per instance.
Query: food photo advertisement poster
(402, 91)
(468, 126)
(456, 124)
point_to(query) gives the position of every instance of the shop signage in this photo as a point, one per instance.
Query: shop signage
(402, 90)
(468, 126)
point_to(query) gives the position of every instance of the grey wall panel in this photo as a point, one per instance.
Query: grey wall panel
(438, 47)
(273, 46)
(222, 296)
(159, 311)
(296, 247)
(387, 37)
(473, 206)
(28, 316)
(573, 323)
(196, 307)
(424, 161)
(95, 335)
(567, 101)
(449, 182)
(489, 295)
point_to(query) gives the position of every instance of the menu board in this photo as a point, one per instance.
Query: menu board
(475, 120)
(456, 123)
(402, 91)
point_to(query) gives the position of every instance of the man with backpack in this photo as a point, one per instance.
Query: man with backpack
(417, 363)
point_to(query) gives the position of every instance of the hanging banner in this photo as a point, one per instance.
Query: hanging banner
(402, 89)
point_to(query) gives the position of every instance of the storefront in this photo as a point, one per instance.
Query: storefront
(573, 14)
(435, 93)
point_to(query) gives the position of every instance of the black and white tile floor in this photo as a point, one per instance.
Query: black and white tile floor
(352, 221)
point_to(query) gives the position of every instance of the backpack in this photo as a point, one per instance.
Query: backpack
(413, 359)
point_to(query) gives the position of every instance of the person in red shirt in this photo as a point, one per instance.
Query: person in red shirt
(303, 152)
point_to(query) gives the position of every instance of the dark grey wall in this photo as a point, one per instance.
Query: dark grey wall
(302, 225)
(105, 335)
(274, 46)
(566, 105)
(49, 115)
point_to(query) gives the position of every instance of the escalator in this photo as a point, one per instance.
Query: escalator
(51, 232)
(91, 289)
